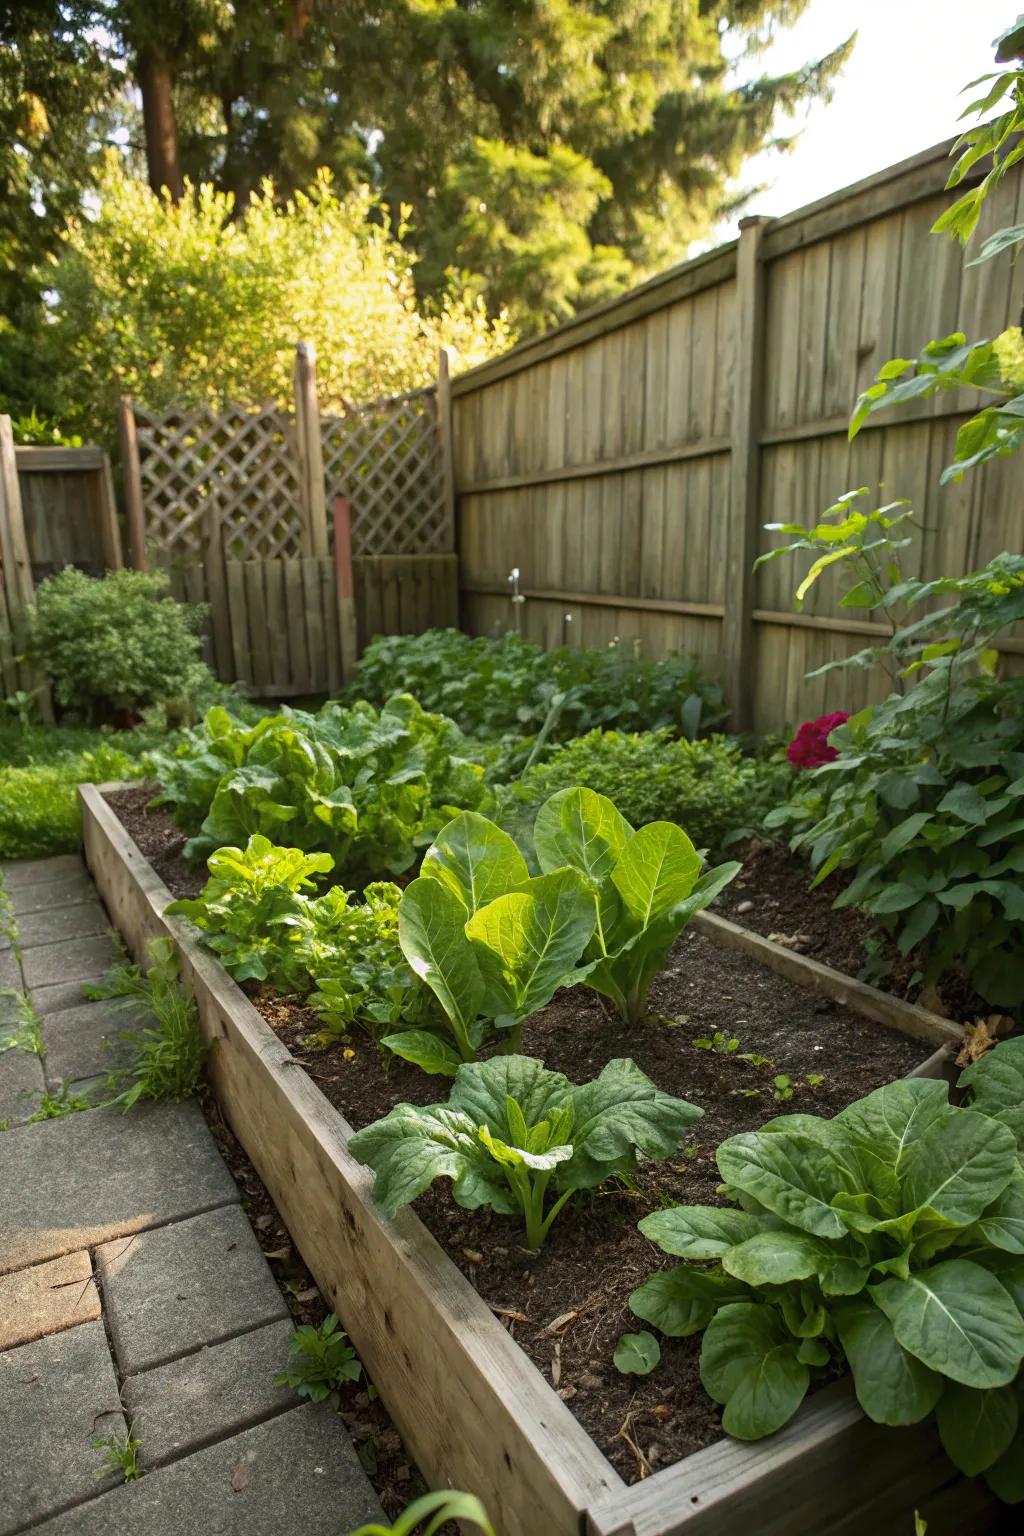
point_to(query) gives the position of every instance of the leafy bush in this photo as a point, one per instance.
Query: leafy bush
(494, 686)
(117, 644)
(709, 786)
(368, 789)
(890, 1238)
(39, 769)
(167, 1060)
(185, 302)
(510, 1129)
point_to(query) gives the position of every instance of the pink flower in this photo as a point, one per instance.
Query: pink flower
(809, 747)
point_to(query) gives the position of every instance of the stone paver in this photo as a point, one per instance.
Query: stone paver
(48, 964)
(21, 872)
(51, 894)
(63, 994)
(12, 1004)
(58, 1395)
(21, 1085)
(91, 1040)
(216, 1392)
(295, 1475)
(47, 1298)
(157, 1293)
(85, 920)
(87, 1178)
(10, 970)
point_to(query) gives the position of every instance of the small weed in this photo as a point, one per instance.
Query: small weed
(754, 1060)
(169, 1059)
(720, 1043)
(814, 1079)
(322, 1360)
(431, 1514)
(53, 1106)
(746, 1093)
(120, 1456)
(785, 1087)
(25, 1033)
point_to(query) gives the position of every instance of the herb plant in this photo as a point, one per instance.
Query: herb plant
(322, 1360)
(645, 886)
(512, 1134)
(891, 1238)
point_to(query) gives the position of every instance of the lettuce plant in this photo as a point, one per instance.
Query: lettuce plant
(491, 942)
(645, 886)
(512, 1134)
(891, 1238)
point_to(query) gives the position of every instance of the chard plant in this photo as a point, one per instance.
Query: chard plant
(644, 886)
(521, 1140)
(890, 1238)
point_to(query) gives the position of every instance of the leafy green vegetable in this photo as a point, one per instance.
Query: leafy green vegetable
(636, 1354)
(511, 1130)
(645, 887)
(885, 1238)
(371, 790)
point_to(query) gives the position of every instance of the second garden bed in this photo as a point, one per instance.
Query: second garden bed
(470, 1405)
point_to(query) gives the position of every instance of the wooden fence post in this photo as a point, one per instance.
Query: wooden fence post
(17, 589)
(310, 450)
(745, 489)
(444, 430)
(347, 632)
(132, 485)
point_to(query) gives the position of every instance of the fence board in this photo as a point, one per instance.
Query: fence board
(602, 458)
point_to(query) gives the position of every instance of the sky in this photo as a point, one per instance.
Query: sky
(898, 94)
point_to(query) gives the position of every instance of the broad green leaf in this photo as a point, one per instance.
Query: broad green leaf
(895, 841)
(432, 933)
(776, 1258)
(977, 1426)
(892, 1386)
(658, 868)
(537, 935)
(749, 1363)
(475, 859)
(1003, 1222)
(958, 1320)
(636, 1354)
(997, 1080)
(619, 1111)
(1006, 1476)
(700, 1231)
(580, 828)
(683, 1301)
(483, 1088)
(889, 1120)
(425, 1050)
(788, 1172)
(959, 1166)
(411, 1147)
(516, 1157)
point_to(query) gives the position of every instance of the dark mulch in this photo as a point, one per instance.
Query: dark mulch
(159, 840)
(376, 1439)
(772, 895)
(595, 1256)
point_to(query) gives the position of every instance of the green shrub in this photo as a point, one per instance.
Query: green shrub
(116, 645)
(707, 786)
(495, 686)
(38, 804)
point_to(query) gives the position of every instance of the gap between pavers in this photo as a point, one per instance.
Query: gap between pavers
(219, 1390)
(57, 1395)
(47, 1298)
(91, 1040)
(295, 1475)
(169, 1291)
(84, 1179)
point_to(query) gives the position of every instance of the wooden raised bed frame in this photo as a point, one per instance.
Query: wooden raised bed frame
(474, 1412)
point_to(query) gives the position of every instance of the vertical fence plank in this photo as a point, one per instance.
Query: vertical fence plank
(347, 630)
(445, 439)
(281, 676)
(235, 578)
(309, 442)
(259, 640)
(132, 484)
(314, 624)
(110, 533)
(744, 499)
(298, 644)
(16, 575)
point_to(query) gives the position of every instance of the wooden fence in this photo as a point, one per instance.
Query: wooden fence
(304, 533)
(627, 462)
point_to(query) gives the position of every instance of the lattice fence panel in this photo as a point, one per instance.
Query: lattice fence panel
(236, 468)
(387, 459)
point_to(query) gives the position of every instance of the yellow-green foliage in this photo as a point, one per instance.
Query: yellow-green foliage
(188, 302)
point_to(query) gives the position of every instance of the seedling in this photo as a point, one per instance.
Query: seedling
(783, 1088)
(636, 1354)
(431, 1513)
(322, 1360)
(721, 1044)
(53, 1106)
(25, 1033)
(120, 1456)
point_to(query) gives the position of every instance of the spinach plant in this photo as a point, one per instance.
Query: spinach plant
(890, 1237)
(645, 886)
(512, 1133)
(491, 942)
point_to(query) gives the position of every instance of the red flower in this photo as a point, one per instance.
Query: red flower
(809, 747)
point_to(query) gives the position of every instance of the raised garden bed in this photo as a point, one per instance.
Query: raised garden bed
(468, 1402)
